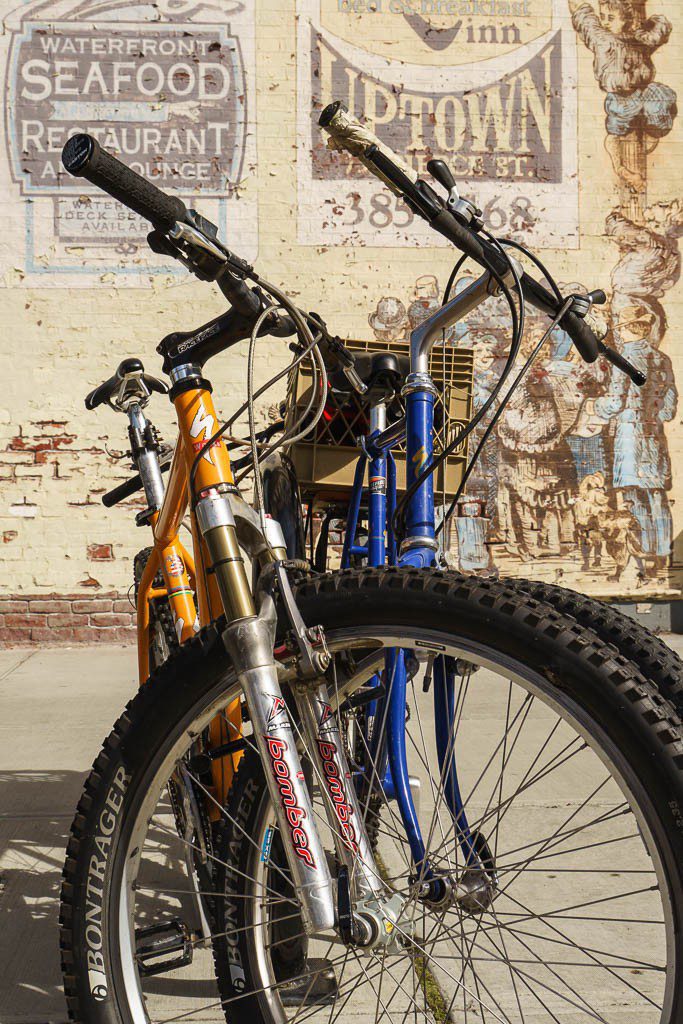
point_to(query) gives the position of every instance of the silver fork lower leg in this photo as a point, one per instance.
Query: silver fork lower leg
(346, 818)
(250, 643)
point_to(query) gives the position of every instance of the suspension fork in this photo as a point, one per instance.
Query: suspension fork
(249, 640)
(342, 804)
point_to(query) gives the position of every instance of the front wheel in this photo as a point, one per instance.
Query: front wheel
(570, 773)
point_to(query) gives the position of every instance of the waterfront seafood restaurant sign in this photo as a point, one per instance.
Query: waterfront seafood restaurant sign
(170, 97)
(495, 97)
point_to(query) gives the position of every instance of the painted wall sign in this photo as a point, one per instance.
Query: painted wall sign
(172, 97)
(494, 98)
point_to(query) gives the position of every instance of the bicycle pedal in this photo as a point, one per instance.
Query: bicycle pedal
(160, 940)
(317, 985)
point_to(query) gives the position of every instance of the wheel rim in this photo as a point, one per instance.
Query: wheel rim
(521, 925)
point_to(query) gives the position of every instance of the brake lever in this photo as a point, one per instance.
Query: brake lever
(339, 350)
(354, 380)
(582, 305)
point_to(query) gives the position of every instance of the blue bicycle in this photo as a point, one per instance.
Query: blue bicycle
(454, 799)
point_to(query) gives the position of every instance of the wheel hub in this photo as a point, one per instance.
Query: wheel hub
(379, 923)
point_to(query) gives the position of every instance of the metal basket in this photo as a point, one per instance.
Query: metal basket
(325, 460)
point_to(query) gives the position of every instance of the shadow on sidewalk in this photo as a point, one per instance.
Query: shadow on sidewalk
(36, 808)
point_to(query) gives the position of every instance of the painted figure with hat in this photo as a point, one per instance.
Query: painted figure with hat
(641, 467)
(622, 41)
(389, 320)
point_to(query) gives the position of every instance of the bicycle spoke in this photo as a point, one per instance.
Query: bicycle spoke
(567, 951)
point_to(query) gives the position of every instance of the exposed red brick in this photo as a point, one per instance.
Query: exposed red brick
(43, 634)
(124, 634)
(16, 635)
(48, 605)
(60, 621)
(98, 604)
(100, 552)
(90, 581)
(24, 620)
(86, 634)
(110, 620)
(40, 442)
(48, 425)
(56, 619)
(8, 536)
(108, 634)
(10, 604)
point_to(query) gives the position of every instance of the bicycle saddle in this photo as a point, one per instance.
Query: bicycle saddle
(128, 383)
(379, 371)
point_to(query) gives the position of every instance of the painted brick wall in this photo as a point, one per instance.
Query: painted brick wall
(80, 290)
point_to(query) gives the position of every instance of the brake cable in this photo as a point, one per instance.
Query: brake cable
(305, 336)
(496, 416)
(504, 401)
(399, 514)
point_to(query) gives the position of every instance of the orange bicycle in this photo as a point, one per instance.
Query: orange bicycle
(394, 791)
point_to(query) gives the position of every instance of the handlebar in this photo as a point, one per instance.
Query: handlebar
(83, 157)
(346, 132)
(128, 487)
(183, 234)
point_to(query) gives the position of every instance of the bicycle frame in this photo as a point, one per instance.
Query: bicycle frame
(419, 549)
(222, 526)
(192, 592)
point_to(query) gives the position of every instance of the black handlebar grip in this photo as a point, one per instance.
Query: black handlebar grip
(466, 240)
(575, 326)
(123, 490)
(83, 157)
(616, 359)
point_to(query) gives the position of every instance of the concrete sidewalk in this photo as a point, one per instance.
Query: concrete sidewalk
(57, 706)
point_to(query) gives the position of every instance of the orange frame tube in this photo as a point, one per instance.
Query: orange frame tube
(192, 594)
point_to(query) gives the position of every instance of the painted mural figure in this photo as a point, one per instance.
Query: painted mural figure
(600, 527)
(389, 320)
(536, 469)
(484, 479)
(622, 42)
(649, 257)
(641, 468)
(477, 524)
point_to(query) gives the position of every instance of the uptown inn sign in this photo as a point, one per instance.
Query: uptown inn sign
(495, 97)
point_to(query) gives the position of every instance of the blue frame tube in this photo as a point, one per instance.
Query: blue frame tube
(377, 509)
(391, 508)
(354, 509)
(395, 673)
(390, 755)
(443, 685)
(419, 454)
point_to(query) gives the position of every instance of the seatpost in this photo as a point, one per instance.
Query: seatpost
(145, 452)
